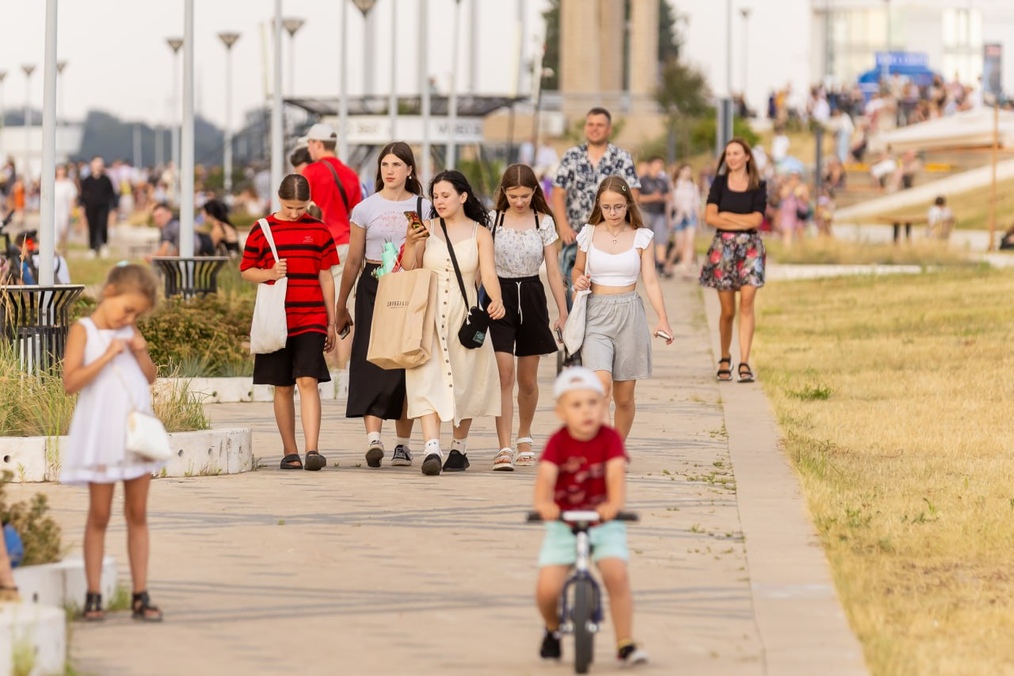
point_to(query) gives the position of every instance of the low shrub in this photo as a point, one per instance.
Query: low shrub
(39, 533)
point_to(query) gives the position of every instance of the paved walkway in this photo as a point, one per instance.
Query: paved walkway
(357, 571)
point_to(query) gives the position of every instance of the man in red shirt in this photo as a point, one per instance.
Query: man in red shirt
(334, 188)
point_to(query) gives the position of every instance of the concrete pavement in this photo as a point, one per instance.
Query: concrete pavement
(358, 571)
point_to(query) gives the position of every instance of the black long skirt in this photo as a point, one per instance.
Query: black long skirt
(372, 390)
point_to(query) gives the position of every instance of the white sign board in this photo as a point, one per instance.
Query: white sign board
(376, 130)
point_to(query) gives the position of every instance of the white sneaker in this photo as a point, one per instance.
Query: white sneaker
(104, 252)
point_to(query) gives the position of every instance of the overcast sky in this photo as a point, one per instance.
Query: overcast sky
(118, 59)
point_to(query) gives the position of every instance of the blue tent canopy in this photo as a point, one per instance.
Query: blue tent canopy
(921, 75)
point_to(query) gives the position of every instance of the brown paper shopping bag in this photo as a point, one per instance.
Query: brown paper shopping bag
(401, 336)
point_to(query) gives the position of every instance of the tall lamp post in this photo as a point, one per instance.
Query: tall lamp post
(28, 68)
(392, 97)
(47, 233)
(60, 66)
(424, 89)
(343, 84)
(174, 117)
(277, 136)
(187, 136)
(452, 103)
(3, 111)
(292, 27)
(745, 13)
(228, 39)
(365, 6)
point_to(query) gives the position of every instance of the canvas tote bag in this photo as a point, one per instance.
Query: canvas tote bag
(269, 329)
(401, 336)
(577, 319)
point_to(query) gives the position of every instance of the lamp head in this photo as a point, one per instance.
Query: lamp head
(292, 25)
(174, 43)
(364, 6)
(228, 39)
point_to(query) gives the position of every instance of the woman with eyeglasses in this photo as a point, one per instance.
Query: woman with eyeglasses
(614, 250)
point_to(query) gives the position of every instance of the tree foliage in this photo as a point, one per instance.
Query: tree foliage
(683, 91)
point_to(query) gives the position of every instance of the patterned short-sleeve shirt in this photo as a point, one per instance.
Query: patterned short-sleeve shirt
(580, 178)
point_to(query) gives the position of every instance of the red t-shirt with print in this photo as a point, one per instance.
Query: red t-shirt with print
(308, 248)
(581, 482)
(325, 194)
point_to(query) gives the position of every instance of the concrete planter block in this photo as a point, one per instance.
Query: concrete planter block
(33, 635)
(202, 453)
(62, 583)
(241, 389)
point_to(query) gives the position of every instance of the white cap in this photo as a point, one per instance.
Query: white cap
(576, 378)
(318, 132)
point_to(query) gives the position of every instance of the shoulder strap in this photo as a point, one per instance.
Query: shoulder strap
(266, 229)
(454, 261)
(337, 182)
(418, 206)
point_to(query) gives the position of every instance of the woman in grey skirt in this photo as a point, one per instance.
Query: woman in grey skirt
(614, 249)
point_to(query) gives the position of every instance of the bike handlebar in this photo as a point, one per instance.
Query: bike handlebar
(572, 516)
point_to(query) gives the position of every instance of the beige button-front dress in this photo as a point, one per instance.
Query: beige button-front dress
(456, 383)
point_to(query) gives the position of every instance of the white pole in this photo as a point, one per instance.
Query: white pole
(3, 111)
(174, 119)
(26, 173)
(424, 89)
(277, 140)
(228, 39)
(392, 102)
(370, 32)
(187, 136)
(343, 88)
(47, 234)
(473, 47)
(452, 103)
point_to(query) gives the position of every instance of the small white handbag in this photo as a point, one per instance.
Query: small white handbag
(269, 329)
(577, 319)
(146, 436)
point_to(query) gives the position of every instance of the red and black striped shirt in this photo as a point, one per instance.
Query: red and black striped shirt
(308, 248)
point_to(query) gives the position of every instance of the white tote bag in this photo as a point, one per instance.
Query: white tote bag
(269, 330)
(577, 319)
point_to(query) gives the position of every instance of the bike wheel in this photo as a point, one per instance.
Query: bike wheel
(581, 615)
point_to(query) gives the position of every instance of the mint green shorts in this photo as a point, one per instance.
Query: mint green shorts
(559, 548)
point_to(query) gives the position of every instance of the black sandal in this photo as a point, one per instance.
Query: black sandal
(724, 375)
(745, 377)
(314, 461)
(93, 608)
(143, 609)
(291, 461)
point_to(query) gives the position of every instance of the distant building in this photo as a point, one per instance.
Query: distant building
(846, 35)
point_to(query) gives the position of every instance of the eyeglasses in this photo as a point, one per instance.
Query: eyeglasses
(613, 208)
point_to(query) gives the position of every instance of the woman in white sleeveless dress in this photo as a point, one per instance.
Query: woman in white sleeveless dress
(457, 384)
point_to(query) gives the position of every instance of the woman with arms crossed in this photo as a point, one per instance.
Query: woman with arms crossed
(614, 249)
(735, 261)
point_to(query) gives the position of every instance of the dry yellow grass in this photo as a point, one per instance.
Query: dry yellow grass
(827, 251)
(892, 396)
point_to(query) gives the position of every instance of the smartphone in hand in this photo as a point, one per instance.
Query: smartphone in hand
(414, 220)
(344, 333)
(663, 335)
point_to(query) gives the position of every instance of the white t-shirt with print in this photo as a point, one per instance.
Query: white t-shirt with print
(385, 221)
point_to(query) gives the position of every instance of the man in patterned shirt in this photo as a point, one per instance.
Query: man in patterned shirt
(581, 170)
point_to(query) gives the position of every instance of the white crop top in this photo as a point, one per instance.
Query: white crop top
(608, 269)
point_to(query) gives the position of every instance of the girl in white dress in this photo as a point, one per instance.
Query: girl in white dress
(106, 363)
(456, 384)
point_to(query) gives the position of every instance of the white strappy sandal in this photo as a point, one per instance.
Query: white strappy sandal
(504, 461)
(524, 458)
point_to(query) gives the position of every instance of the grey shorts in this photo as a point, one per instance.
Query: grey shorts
(616, 337)
(657, 223)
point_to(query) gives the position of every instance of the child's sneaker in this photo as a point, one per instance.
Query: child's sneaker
(550, 646)
(630, 654)
(402, 456)
(375, 454)
(456, 461)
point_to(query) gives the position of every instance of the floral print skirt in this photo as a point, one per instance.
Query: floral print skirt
(734, 260)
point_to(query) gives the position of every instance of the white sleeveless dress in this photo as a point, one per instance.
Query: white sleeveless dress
(456, 383)
(96, 450)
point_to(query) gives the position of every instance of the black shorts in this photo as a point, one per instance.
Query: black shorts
(302, 357)
(524, 330)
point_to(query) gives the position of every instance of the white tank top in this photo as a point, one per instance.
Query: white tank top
(621, 269)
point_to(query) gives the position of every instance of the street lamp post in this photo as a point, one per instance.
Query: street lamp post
(343, 84)
(228, 39)
(392, 97)
(60, 66)
(186, 169)
(452, 104)
(277, 137)
(28, 68)
(424, 89)
(47, 178)
(174, 141)
(292, 27)
(365, 6)
(3, 111)
(745, 13)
